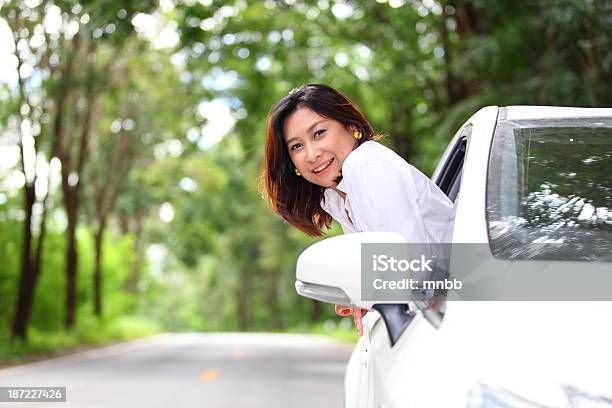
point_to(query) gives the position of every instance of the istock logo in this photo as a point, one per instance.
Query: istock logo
(384, 263)
(399, 271)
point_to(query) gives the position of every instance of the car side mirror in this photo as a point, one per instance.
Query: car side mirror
(330, 271)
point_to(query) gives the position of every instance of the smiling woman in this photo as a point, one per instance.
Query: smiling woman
(310, 127)
(322, 163)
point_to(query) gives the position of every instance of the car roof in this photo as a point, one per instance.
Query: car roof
(541, 112)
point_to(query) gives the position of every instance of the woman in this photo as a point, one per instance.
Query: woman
(322, 162)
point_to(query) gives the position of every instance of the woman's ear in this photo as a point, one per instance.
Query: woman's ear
(349, 128)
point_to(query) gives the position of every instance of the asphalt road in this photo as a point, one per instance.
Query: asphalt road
(217, 370)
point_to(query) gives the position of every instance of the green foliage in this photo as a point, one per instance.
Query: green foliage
(87, 333)
(9, 269)
(48, 306)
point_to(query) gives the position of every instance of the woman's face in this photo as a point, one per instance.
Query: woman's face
(317, 146)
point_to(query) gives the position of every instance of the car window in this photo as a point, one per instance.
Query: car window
(549, 189)
(449, 178)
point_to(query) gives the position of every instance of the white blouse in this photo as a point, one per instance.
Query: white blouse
(386, 193)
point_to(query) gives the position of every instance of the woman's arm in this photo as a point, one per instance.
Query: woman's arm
(384, 199)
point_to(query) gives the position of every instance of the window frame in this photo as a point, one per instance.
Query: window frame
(449, 178)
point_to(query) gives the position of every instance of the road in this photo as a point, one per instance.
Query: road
(219, 370)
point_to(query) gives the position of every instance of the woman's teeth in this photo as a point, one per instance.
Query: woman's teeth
(323, 166)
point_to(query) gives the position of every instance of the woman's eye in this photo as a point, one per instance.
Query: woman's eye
(319, 132)
(296, 146)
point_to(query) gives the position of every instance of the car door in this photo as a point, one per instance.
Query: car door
(377, 357)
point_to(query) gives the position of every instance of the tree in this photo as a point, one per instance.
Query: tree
(84, 87)
(30, 127)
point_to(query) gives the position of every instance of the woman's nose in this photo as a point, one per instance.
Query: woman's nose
(312, 153)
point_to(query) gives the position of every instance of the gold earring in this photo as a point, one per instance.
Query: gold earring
(297, 172)
(357, 134)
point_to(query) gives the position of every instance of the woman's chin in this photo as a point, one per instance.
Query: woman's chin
(325, 180)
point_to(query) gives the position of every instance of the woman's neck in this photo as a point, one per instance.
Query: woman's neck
(340, 192)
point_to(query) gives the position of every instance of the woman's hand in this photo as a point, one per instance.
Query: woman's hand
(356, 313)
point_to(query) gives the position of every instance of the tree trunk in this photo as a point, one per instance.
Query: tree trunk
(30, 271)
(242, 312)
(243, 303)
(29, 267)
(131, 284)
(315, 311)
(98, 269)
(26, 278)
(71, 206)
(469, 23)
(272, 298)
(403, 144)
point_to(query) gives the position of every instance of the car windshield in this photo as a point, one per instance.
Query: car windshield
(549, 189)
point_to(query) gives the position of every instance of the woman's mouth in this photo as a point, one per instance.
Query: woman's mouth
(323, 167)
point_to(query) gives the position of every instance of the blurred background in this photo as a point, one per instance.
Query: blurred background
(131, 137)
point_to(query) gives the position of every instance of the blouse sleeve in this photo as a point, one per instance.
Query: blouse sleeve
(386, 200)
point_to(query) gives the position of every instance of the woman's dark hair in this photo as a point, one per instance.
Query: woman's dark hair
(294, 198)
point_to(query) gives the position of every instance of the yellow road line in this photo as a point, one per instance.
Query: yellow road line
(210, 375)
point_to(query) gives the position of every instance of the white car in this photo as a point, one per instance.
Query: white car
(536, 328)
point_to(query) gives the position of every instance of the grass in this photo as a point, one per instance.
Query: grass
(88, 333)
